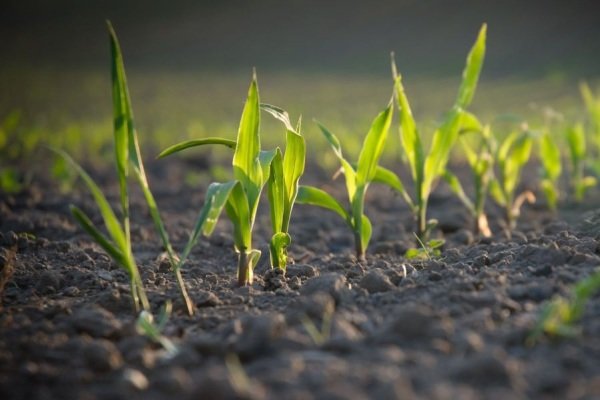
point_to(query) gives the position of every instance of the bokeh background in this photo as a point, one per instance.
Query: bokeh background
(189, 63)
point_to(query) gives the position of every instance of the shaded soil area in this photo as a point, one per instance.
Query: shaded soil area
(453, 327)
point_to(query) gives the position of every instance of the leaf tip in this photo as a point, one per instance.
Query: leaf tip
(483, 31)
(393, 64)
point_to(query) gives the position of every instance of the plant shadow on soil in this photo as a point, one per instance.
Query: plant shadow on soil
(447, 328)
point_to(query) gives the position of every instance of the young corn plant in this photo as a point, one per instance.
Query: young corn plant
(576, 143)
(481, 162)
(129, 158)
(551, 168)
(286, 170)
(510, 158)
(559, 318)
(426, 168)
(239, 197)
(357, 178)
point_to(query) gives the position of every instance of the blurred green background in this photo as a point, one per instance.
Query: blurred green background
(189, 64)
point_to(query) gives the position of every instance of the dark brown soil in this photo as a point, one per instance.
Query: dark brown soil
(447, 328)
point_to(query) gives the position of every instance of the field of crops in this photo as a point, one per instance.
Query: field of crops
(298, 234)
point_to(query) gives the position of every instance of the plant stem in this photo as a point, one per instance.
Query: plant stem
(138, 294)
(184, 294)
(360, 252)
(422, 223)
(245, 272)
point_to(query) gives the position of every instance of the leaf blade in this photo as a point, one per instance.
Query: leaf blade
(373, 146)
(194, 143)
(317, 197)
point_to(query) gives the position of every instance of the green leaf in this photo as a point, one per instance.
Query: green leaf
(516, 159)
(217, 195)
(253, 257)
(415, 254)
(349, 172)
(278, 113)
(409, 135)
(444, 139)
(457, 188)
(550, 192)
(278, 249)
(593, 107)
(237, 208)
(317, 197)
(276, 192)
(246, 166)
(87, 225)
(294, 161)
(472, 70)
(366, 231)
(122, 116)
(387, 177)
(497, 193)
(196, 142)
(470, 154)
(435, 243)
(507, 145)
(576, 143)
(110, 220)
(373, 146)
(550, 157)
(470, 123)
(265, 158)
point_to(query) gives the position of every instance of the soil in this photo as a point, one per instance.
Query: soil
(453, 327)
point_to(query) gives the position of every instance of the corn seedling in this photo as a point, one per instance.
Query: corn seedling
(239, 197)
(427, 168)
(551, 168)
(510, 158)
(128, 155)
(146, 325)
(118, 243)
(576, 143)
(357, 179)
(561, 315)
(481, 162)
(286, 170)
(425, 251)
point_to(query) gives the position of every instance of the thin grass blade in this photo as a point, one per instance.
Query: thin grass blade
(122, 117)
(87, 225)
(111, 222)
